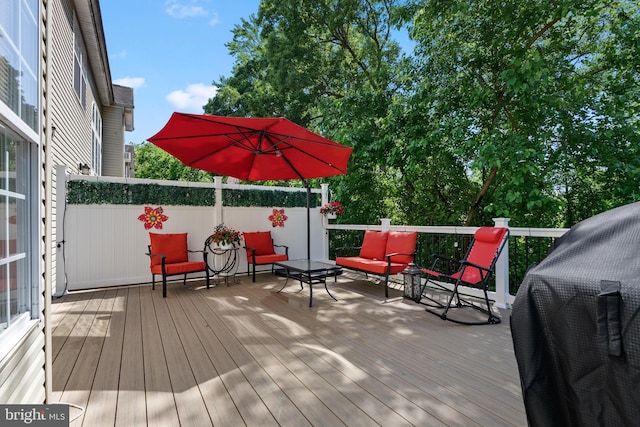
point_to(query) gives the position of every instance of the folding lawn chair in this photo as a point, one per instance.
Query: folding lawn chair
(474, 271)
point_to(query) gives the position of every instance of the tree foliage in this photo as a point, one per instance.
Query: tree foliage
(154, 163)
(527, 110)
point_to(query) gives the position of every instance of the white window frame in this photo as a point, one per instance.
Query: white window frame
(79, 66)
(22, 129)
(96, 139)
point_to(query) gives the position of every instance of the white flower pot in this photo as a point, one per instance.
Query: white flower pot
(331, 216)
(224, 246)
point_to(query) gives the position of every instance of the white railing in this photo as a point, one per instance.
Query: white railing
(104, 245)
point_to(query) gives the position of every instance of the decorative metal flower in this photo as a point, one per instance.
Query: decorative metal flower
(153, 218)
(278, 218)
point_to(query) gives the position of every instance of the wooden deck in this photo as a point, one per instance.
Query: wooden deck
(246, 355)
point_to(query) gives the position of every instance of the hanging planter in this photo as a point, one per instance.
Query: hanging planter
(331, 210)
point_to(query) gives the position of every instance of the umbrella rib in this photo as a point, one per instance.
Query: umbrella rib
(236, 143)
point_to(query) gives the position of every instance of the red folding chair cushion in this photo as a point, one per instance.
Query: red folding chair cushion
(402, 242)
(488, 241)
(172, 246)
(261, 241)
(374, 245)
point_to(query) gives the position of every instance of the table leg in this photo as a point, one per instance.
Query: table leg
(285, 282)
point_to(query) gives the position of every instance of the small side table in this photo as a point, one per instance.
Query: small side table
(223, 262)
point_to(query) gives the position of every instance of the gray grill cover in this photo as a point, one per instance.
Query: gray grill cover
(575, 325)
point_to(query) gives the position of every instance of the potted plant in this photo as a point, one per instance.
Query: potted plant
(225, 237)
(332, 209)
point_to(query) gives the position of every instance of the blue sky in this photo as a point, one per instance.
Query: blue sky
(170, 52)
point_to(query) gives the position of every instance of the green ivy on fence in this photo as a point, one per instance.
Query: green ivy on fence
(100, 192)
(267, 198)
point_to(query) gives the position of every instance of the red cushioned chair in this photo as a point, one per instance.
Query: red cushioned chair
(261, 250)
(169, 256)
(474, 271)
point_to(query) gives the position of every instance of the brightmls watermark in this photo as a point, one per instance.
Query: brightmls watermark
(34, 415)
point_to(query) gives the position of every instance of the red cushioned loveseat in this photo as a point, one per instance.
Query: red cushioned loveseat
(383, 253)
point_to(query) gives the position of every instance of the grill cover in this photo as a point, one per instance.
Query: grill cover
(575, 325)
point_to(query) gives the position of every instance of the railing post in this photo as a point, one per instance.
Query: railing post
(324, 188)
(502, 299)
(385, 223)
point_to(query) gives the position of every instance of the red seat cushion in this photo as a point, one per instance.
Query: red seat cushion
(172, 246)
(179, 267)
(261, 241)
(372, 266)
(402, 242)
(374, 245)
(270, 259)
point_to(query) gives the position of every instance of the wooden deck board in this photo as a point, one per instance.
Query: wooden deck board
(247, 355)
(161, 405)
(101, 407)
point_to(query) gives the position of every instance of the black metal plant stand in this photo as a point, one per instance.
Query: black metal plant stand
(223, 263)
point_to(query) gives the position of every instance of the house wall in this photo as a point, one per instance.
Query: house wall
(64, 139)
(22, 371)
(113, 141)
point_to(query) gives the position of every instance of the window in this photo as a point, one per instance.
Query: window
(19, 207)
(96, 139)
(79, 73)
(19, 59)
(18, 297)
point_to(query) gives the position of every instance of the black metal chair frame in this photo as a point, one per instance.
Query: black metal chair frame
(253, 259)
(184, 279)
(435, 306)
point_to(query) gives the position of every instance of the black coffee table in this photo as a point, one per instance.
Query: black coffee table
(310, 272)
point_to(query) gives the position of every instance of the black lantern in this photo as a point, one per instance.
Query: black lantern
(412, 282)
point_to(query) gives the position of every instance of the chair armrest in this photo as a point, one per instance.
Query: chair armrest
(286, 248)
(150, 254)
(202, 251)
(479, 267)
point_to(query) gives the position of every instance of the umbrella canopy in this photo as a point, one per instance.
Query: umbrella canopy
(252, 149)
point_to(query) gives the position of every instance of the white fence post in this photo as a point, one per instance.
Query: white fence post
(325, 236)
(385, 223)
(217, 210)
(502, 298)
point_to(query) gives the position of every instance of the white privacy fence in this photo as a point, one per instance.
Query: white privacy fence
(103, 245)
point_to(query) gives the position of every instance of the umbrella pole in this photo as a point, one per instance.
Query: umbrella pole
(306, 183)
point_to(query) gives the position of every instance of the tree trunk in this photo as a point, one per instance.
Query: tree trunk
(483, 191)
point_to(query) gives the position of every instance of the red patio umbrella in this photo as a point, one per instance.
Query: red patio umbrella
(252, 149)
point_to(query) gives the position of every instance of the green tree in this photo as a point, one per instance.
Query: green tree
(154, 163)
(521, 109)
(538, 99)
(330, 69)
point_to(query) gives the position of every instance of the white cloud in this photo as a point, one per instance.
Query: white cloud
(215, 19)
(193, 99)
(134, 82)
(180, 10)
